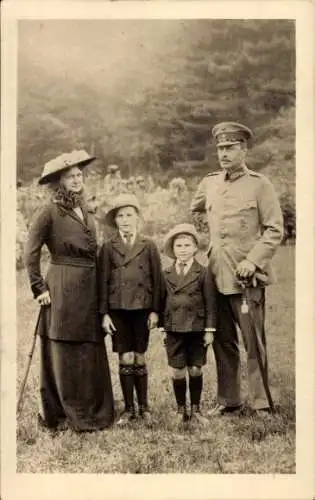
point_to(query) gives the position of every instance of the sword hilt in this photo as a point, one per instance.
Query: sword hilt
(252, 281)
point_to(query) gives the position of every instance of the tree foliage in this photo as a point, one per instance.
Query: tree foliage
(145, 94)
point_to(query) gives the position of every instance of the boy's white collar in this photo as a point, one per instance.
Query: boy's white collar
(133, 237)
(188, 265)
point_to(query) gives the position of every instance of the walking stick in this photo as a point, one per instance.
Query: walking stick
(263, 368)
(30, 356)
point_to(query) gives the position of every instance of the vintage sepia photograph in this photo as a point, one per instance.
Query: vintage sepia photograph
(180, 133)
(156, 246)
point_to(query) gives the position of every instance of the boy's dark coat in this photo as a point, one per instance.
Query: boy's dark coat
(130, 278)
(190, 302)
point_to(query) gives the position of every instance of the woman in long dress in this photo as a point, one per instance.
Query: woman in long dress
(75, 383)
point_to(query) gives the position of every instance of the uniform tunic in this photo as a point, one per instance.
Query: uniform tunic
(245, 222)
(75, 378)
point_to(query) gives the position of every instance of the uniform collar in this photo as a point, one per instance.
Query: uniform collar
(235, 173)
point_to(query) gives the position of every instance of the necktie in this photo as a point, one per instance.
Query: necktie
(181, 267)
(128, 238)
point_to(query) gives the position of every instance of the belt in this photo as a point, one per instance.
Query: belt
(72, 261)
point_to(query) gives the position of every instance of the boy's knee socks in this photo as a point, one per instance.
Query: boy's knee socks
(126, 376)
(195, 389)
(180, 386)
(141, 384)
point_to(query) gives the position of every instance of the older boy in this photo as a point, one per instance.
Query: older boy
(189, 318)
(130, 298)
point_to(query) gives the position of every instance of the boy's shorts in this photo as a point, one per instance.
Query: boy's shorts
(132, 332)
(185, 349)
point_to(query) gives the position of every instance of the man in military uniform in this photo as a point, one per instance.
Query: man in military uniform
(246, 227)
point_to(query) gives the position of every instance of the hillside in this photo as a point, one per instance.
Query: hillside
(144, 94)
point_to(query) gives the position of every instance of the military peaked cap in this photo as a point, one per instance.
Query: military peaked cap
(227, 133)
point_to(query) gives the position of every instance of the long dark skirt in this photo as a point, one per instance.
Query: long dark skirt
(76, 384)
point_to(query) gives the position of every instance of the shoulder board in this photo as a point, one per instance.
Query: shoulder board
(214, 173)
(254, 174)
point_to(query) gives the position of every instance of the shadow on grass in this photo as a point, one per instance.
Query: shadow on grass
(255, 427)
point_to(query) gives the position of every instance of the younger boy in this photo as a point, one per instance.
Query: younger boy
(189, 318)
(130, 298)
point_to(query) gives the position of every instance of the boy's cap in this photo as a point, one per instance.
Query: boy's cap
(227, 133)
(122, 200)
(179, 229)
(53, 168)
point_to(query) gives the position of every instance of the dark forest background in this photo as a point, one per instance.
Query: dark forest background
(144, 94)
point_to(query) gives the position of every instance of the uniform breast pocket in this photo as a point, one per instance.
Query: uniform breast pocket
(248, 215)
(248, 206)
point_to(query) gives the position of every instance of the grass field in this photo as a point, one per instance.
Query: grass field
(231, 444)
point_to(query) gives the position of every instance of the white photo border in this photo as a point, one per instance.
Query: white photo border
(164, 486)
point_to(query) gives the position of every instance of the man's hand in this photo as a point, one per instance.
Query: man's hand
(44, 299)
(245, 269)
(108, 325)
(152, 320)
(207, 338)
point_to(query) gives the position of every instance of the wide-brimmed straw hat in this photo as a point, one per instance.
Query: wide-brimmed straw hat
(176, 231)
(53, 168)
(122, 200)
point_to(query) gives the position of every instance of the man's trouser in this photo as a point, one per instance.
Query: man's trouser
(226, 348)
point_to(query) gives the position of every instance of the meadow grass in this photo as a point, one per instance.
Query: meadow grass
(231, 444)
